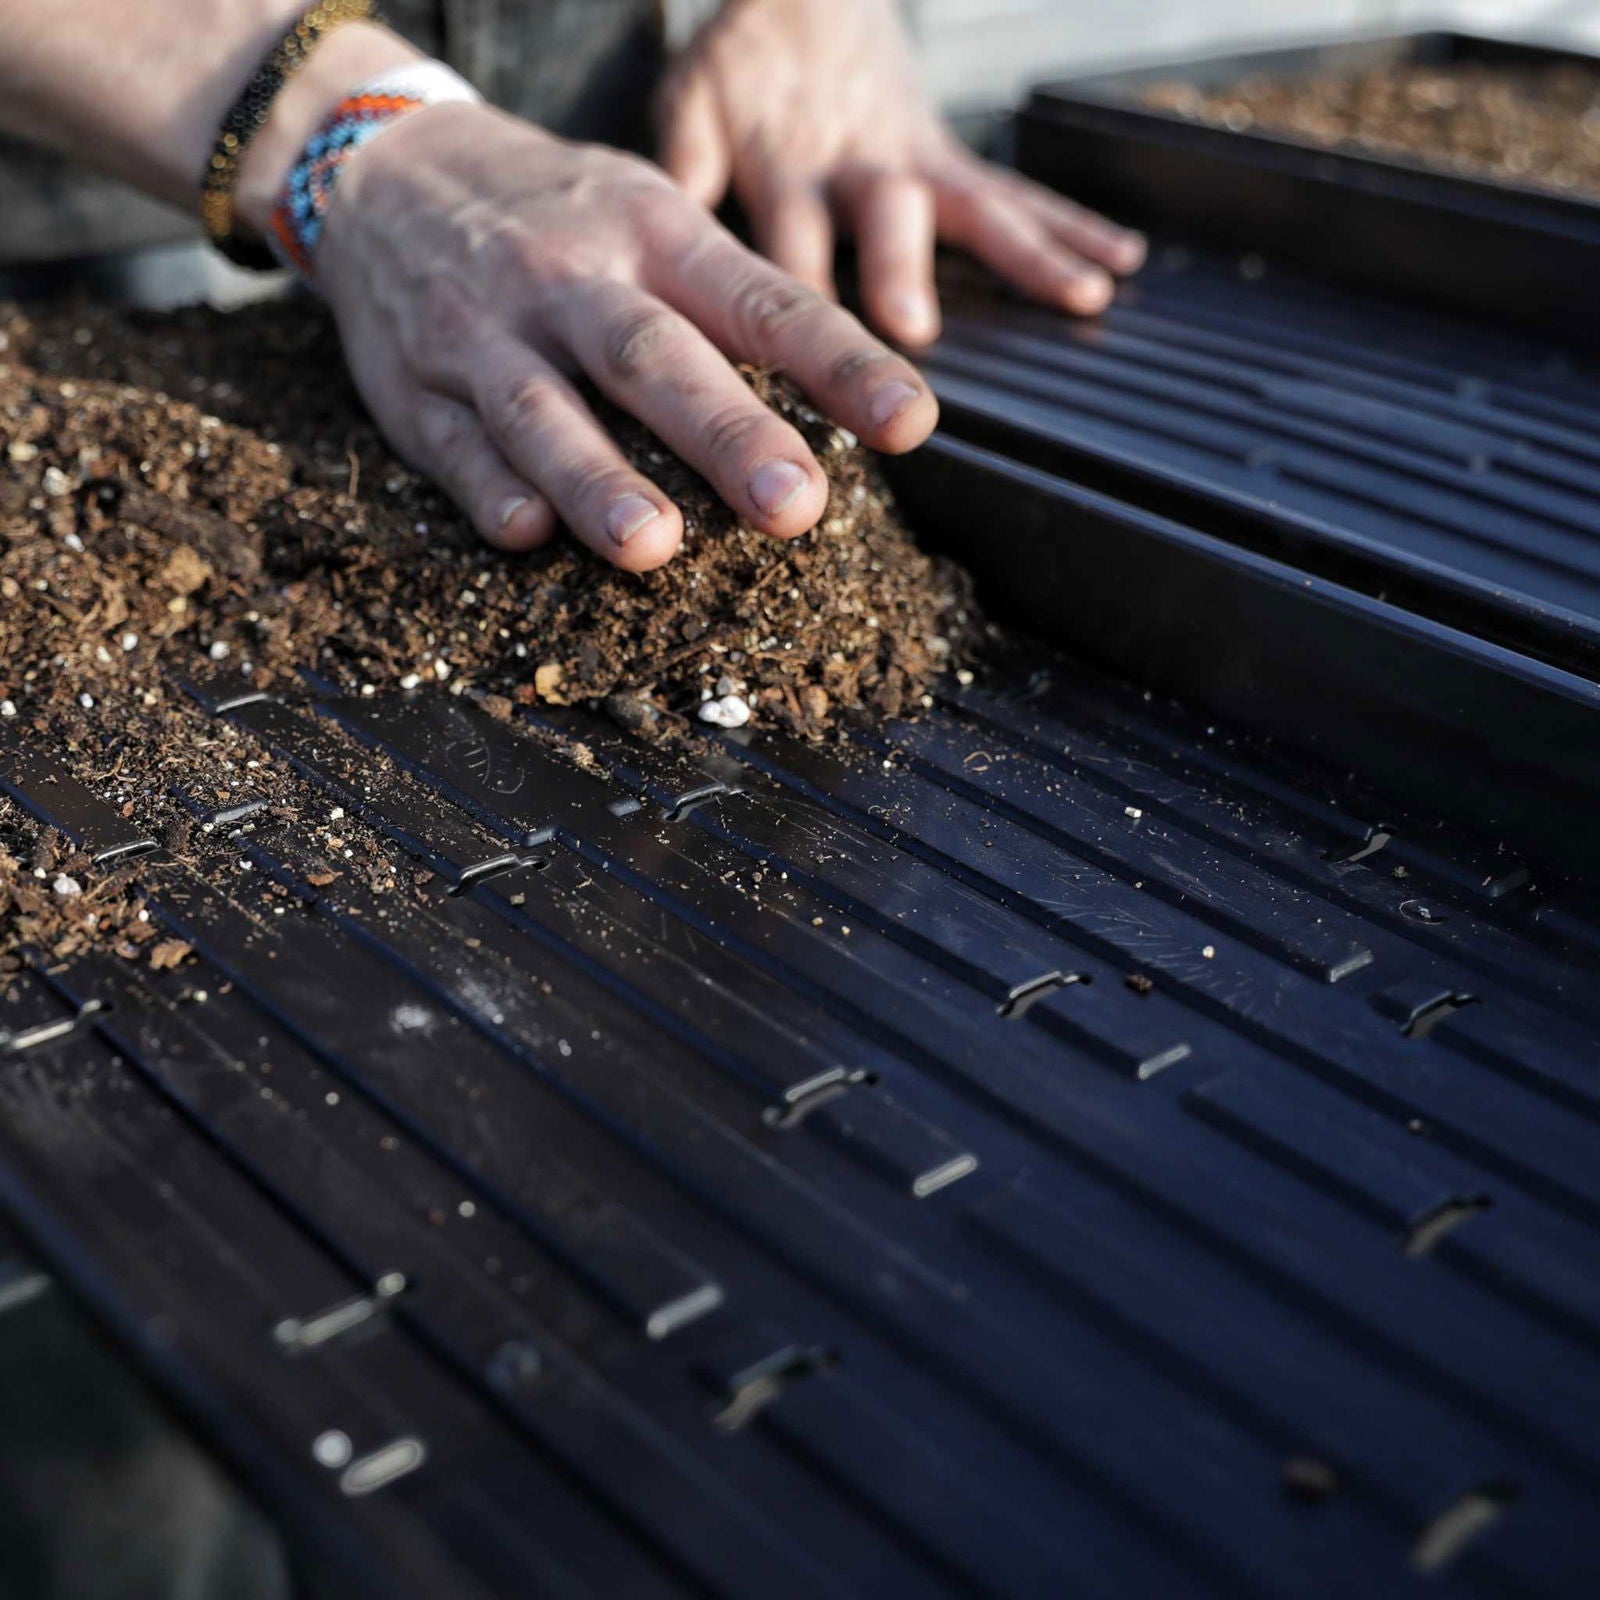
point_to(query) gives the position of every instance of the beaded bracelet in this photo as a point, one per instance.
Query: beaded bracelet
(249, 112)
(364, 113)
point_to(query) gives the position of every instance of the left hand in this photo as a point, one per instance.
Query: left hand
(812, 112)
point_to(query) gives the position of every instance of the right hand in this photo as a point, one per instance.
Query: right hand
(476, 265)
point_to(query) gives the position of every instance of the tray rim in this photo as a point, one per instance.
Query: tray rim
(1104, 93)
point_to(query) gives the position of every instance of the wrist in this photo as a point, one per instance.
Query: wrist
(346, 57)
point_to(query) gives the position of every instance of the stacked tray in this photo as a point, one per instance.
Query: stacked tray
(1367, 532)
(1517, 253)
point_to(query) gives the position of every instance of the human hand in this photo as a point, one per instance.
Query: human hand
(477, 266)
(811, 111)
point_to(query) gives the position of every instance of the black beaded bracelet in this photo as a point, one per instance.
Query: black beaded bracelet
(246, 116)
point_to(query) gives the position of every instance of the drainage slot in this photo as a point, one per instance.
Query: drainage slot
(801, 1099)
(383, 1466)
(297, 1334)
(1375, 841)
(693, 799)
(1421, 911)
(754, 1389)
(125, 852)
(484, 870)
(942, 1176)
(1017, 1002)
(1425, 1234)
(1310, 1479)
(52, 1032)
(20, 1285)
(1442, 1540)
(1430, 1016)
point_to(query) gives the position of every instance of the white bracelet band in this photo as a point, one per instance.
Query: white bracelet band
(430, 81)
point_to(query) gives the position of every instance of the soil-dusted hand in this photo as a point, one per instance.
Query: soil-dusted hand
(812, 111)
(478, 267)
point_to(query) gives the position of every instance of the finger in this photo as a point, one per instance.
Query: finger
(895, 231)
(452, 448)
(444, 439)
(658, 366)
(694, 142)
(795, 232)
(755, 313)
(1097, 238)
(1003, 233)
(545, 431)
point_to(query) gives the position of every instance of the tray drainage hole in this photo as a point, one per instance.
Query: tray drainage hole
(1421, 911)
(757, 1387)
(383, 1466)
(1424, 1235)
(1430, 1016)
(473, 876)
(1374, 842)
(45, 1033)
(1310, 1479)
(1444, 1538)
(801, 1099)
(1017, 1002)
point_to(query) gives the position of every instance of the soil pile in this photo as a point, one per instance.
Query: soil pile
(1537, 126)
(199, 487)
(236, 443)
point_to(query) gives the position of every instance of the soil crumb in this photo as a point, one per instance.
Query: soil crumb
(1538, 126)
(200, 488)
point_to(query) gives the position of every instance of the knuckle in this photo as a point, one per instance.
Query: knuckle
(667, 214)
(849, 367)
(894, 183)
(636, 340)
(440, 431)
(771, 308)
(528, 406)
(632, 168)
(996, 210)
(598, 483)
(729, 432)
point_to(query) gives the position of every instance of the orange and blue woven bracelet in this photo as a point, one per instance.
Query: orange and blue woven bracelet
(250, 110)
(365, 112)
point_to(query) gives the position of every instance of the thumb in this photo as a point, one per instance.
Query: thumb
(694, 145)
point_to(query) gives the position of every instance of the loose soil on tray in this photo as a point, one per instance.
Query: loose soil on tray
(1538, 126)
(199, 489)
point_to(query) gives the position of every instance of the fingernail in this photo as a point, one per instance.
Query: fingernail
(775, 485)
(510, 509)
(628, 515)
(890, 401)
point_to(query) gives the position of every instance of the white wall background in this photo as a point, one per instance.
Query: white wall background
(981, 51)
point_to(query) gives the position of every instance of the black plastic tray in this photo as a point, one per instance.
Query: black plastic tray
(1063, 1145)
(1369, 534)
(1519, 254)
(1049, 1148)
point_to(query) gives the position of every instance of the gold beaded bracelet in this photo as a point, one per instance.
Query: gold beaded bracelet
(246, 116)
